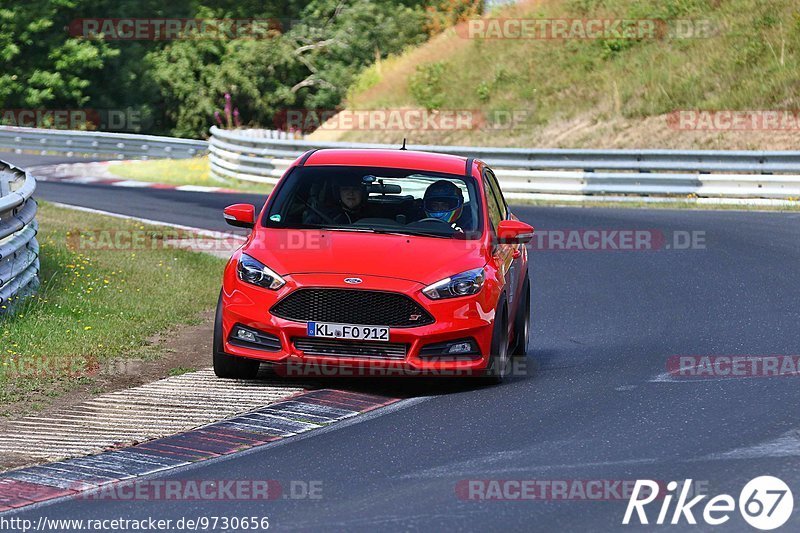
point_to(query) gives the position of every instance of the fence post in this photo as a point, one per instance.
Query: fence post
(5, 184)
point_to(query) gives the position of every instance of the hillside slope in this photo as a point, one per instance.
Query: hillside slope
(717, 55)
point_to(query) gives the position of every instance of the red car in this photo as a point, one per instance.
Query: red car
(367, 260)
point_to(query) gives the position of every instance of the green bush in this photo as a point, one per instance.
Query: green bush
(426, 85)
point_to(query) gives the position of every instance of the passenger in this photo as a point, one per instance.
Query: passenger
(351, 204)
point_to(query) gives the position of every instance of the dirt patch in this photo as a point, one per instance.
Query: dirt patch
(184, 348)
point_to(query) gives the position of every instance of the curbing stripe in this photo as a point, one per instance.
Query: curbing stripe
(63, 473)
(63, 470)
(60, 173)
(229, 435)
(162, 450)
(158, 409)
(28, 486)
(295, 416)
(47, 481)
(282, 424)
(15, 493)
(246, 425)
(104, 467)
(313, 408)
(199, 443)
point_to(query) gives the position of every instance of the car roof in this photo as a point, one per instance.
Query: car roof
(365, 157)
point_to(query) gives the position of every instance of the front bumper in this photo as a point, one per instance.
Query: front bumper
(454, 319)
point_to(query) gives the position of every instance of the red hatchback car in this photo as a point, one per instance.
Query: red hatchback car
(367, 260)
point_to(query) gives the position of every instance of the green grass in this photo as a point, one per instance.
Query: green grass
(97, 305)
(180, 370)
(194, 171)
(751, 62)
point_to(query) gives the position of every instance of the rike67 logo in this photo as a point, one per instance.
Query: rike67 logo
(765, 503)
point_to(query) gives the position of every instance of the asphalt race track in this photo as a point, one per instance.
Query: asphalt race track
(596, 401)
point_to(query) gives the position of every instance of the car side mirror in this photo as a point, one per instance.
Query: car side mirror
(240, 215)
(514, 232)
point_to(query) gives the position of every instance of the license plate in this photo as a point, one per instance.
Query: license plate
(348, 331)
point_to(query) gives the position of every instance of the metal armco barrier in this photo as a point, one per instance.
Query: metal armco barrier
(19, 251)
(248, 155)
(263, 155)
(97, 144)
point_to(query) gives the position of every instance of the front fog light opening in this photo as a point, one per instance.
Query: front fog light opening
(250, 338)
(461, 348)
(244, 335)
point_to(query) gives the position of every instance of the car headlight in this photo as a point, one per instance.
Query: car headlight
(464, 284)
(257, 273)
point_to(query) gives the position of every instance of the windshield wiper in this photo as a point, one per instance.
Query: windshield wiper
(412, 233)
(339, 228)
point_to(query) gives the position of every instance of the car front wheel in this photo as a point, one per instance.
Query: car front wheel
(522, 324)
(225, 365)
(499, 362)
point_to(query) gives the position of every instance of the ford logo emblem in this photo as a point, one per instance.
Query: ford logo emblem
(353, 281)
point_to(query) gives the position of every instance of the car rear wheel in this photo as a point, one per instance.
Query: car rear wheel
(522, 324)
(498, 367)
(225, 365)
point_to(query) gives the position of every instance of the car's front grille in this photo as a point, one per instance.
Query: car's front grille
(352, 306)
(340, 348)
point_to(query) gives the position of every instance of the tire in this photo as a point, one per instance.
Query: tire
(522, 324)
(229, 366)
(500, 361)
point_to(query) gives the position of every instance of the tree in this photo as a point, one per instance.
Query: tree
(42, 65)
(309, 66)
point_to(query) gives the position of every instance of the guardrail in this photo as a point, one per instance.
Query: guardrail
(245, 155)
(97, 144)
(19, 251)
(263, 156)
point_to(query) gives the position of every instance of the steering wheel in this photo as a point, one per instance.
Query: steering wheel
(323, 216)
(431, 219)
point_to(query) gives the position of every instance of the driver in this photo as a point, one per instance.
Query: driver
(444, 201)
(351, 204)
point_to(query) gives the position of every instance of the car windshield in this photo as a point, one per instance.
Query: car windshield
(408, 202)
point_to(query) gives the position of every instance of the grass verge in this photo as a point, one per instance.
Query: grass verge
(604, 92)
(194, 171)
(97, 307)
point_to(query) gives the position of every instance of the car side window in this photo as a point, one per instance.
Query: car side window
(497, 192)
(493, 205)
